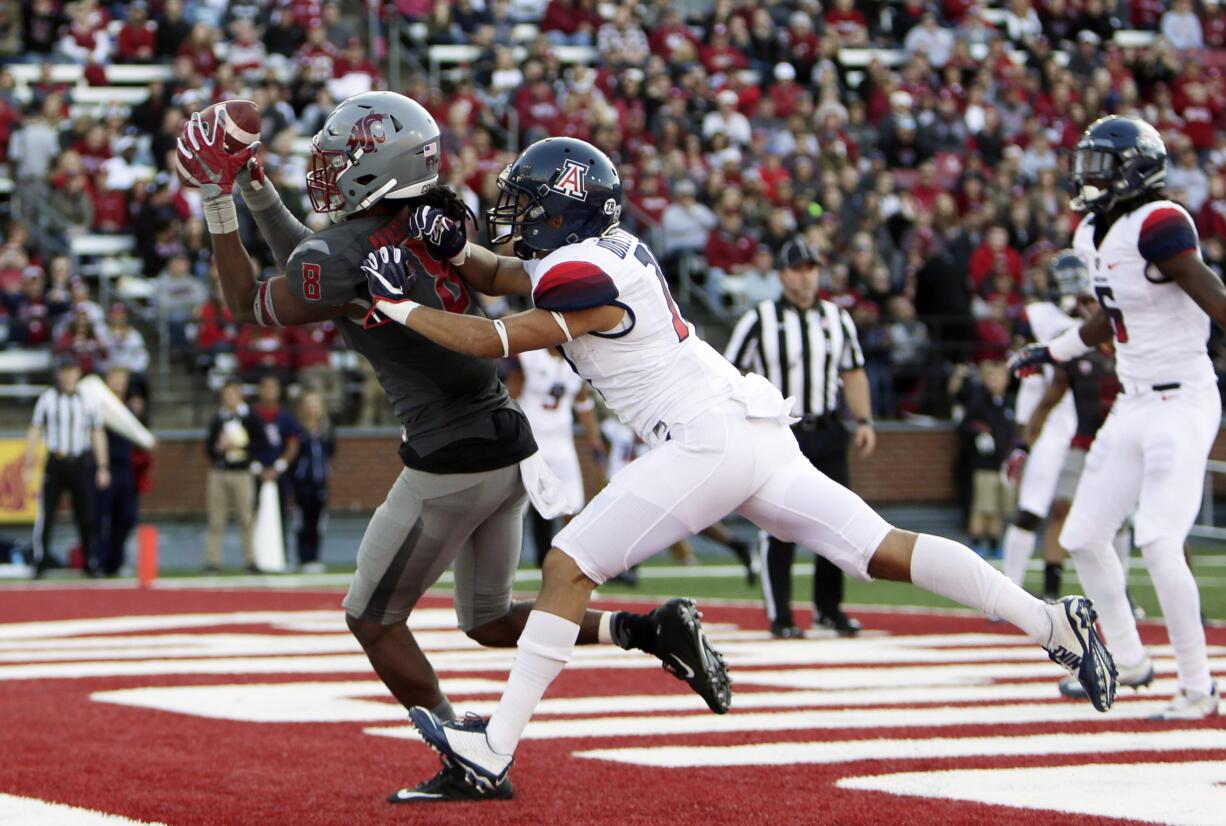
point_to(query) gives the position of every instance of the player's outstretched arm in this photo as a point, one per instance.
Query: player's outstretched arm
(389, 281)
(440, 225)
(269, 303)
(1199, 282)
(492, 274)
(1067, 346)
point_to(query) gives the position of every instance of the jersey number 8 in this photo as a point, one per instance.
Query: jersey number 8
(310, 282)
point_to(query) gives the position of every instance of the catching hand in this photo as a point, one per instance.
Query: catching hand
(202, 159)
(444, 237)
(1029, 360)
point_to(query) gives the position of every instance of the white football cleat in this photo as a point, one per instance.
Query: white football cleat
(1136, 677)
(1191, 705)
(1075, 645)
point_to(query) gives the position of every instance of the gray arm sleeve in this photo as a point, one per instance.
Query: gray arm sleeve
(280, 228)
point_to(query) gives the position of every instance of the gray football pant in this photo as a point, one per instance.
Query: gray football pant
(430, 521)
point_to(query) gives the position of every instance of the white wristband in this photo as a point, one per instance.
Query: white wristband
(397, 310)
(1068, 345)
(501, 330)
(280, 465)
(460, 257)
(220, 215)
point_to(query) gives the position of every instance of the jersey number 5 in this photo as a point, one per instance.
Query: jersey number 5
(1106, 299)
(310, 282)
(645, 258)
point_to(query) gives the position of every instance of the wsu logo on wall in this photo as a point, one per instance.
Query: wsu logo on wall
(572, 180)
(367, 133)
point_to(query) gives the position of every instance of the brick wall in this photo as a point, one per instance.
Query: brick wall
(911, 464)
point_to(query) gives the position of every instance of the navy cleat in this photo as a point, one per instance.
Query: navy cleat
(687, 655)
(450, 785)
(1136, 678)
(1075, 645)
(463, 746)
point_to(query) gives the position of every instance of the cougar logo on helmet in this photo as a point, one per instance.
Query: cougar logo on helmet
(367, 132)
(572, 181)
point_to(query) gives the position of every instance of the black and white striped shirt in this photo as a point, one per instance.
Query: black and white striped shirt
(802, 352)
(67, 420)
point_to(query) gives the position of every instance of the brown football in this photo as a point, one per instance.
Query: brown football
(242, 123)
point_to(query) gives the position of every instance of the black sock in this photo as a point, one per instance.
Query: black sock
(633, 631)
(1052, 574)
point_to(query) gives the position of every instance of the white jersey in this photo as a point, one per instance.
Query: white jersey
(652, 369)
(1161, 334)
(548, 395)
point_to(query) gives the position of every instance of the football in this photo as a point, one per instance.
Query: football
(242, 123)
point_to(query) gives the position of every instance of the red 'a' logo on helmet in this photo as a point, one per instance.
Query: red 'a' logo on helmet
(367, 132)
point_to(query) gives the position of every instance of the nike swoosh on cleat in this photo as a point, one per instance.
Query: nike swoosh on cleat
(410, 794)
(689, 672)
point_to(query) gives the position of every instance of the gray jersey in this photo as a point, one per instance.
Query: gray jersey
(440, 397)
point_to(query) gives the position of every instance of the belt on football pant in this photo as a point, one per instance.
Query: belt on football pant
(1134, 389)
(814, 421)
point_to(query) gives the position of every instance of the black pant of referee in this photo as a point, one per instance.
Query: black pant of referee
(75, 476)
(824, 440)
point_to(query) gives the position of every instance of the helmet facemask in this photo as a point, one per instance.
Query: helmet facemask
(1094, 174)
(322, 178)
(515, 209)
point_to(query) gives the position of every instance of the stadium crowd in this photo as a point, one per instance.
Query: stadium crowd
(926, 171)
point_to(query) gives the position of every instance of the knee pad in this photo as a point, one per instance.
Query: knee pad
(1027, 521)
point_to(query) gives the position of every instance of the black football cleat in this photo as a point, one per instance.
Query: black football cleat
(450, 785)
(786, 632)
(840, 623)
(687, 655)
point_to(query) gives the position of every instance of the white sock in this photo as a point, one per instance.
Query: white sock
(1180, 601)
(954, 571)
(604, 631)
(545, 646)
(1018, 548)
(1123, 548)
(1103, 582)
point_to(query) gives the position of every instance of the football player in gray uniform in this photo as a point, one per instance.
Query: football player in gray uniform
(459, 499)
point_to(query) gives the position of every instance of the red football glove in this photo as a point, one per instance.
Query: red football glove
(202, 159)
(1011, 470)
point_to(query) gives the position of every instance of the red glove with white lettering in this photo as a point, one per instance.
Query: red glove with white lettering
(1011, 470)
(202, 161)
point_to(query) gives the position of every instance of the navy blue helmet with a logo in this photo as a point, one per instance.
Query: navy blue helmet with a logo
(1118, 159)
(1068, 279)
(559, 191)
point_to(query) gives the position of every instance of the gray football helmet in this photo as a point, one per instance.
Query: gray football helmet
(373, 146)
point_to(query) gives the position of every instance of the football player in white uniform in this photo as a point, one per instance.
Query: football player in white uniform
(1156, 297)
(719, 442)
(1036, 491)
(552, 396)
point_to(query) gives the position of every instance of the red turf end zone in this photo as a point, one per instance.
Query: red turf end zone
(951, 692)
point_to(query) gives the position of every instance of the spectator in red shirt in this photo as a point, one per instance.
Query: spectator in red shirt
(137, 37)
(848, 21)
(720, 56)
(94, 148)
(317, 57)
(81, 340)
(670, 36)
(1200, 114)
(1211, 219)
(247, 52)
(262, 351)
(992, 256)
(111, 212)
(786, 92)
(355, 61)
(1213, 24)
(570, 22)
(801, 45)
(1146, 14)
(201, 50)
(730, 248)
(312, 345)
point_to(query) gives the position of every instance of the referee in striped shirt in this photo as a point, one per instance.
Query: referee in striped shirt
(808, 349)
(76, 461)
